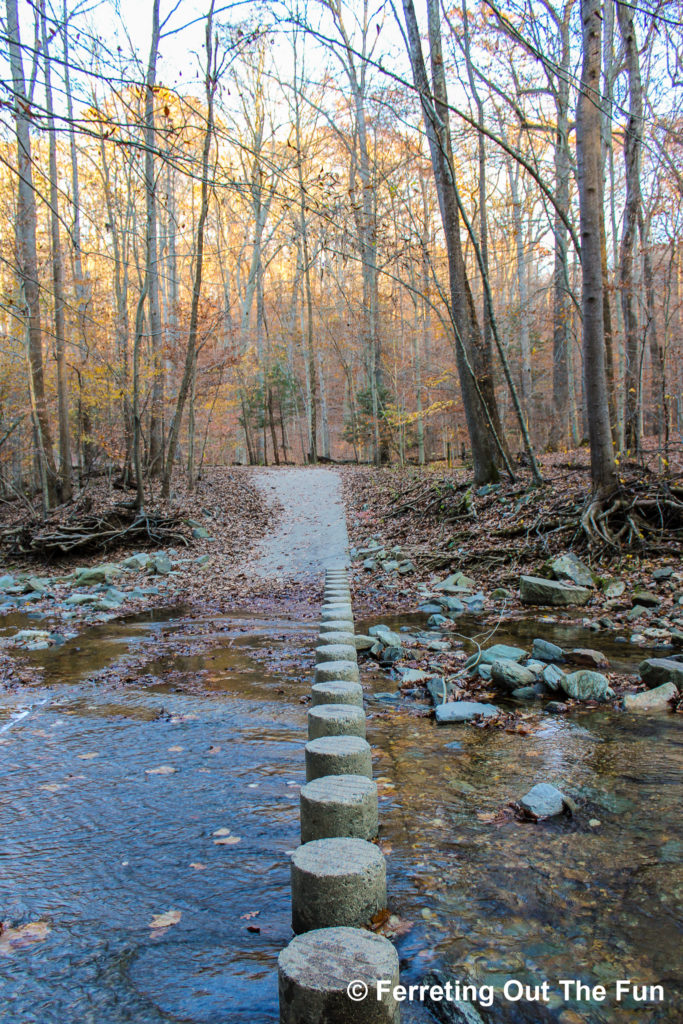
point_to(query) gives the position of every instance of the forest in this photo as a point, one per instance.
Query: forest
(269, 234)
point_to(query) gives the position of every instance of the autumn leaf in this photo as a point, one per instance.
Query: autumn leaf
(25, 935)
(87, 757)
(197, 866)
(163, 769)
(170, 917)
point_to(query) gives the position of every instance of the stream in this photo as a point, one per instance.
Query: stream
(126, 797)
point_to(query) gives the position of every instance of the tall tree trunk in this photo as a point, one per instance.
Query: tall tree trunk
(633, 141)
(210, 82)
(589, 160)
(28, 256)
(435, 113)
(156, 437)
(65, 479)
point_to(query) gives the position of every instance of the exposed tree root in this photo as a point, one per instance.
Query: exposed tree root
(90, 534)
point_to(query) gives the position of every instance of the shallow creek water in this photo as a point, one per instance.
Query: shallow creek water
(95, 840)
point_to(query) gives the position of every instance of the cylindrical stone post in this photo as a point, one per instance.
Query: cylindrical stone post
(317, 968)
(338, 755)
(338, 806)
(326, 671)
(339, 691)
(337, 615)
(336, 720)
(337, 882)
(339, 636)
(343, 607)
(335, 652)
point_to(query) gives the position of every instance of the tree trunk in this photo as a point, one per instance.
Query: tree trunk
(156, 438)
(589, 160)
(435, 112)
(633, 140)
(28, 256)
(65, 479)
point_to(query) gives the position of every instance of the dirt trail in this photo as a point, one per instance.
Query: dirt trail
(311, 535)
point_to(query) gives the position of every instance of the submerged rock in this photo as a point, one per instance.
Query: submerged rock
(544, 801)
(499, 652)
(585, 656)
(534, 590)
(385, 635)
(464, 711)
(652, 700)
(585, 685)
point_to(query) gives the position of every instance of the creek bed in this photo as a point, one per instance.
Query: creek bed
(99, 845)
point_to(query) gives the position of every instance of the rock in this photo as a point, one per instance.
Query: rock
(636, 612)
(406, 567)
(363, 643)
(435, 688)
(7, 581)
(526, 693)
(97, 574)
(436, 620)
(136, 562)
(78, 599)
(536, 668)
(569, 567)
(455, 583)
(652, 700)
(553, 676)
(200, 533)
(385, 635)
(484, 672)
(464, 711)
(390, 566)
(429, 608)
(534, 590)
(369, 564)
(499, 652)
(664, 573)
(654, 671)
(586, 657)
(451, 604)
(476, 602)
(162, 564)
(511, 675)
(202, 560)
(614, 588)
(544, 801)
(501, 594)
(388, 655)
(414, 675)
(545, 651)
(556, 707)
(585, 685)
(645, 598)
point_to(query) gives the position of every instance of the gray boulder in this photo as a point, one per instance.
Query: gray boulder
(385, 635)
(654, 671)
(544, 801)
(534, 590)
(451, 604)
(569, 567)
(553, 676)
(645, 598)
(430, 608)
(162, 564)
(652, 700)
(585, 685)
(545, 651)
(97, 574)
(499, 652)
(511, 675)
(587, 658)
(7, 581)
(464, 711)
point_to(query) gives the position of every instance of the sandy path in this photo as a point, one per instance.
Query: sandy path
(311, 535)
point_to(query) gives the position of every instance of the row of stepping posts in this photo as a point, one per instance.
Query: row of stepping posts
(328, 973)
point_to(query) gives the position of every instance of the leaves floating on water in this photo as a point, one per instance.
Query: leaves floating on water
(227, 841)
(12, 939)
(87, 757)
(163, 921)
(197, 866)
(163, 769)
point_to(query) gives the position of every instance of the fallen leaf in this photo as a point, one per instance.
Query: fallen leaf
(227, 841)
(87, 757)
(197, 866)
(23, 936)
(248, 917)
(163, 769)
(175, 750)
(222, 832)
(215, 748)
(165, 920)
(52, 787)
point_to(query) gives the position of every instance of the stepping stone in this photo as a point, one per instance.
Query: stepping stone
(337, 882)
(337, 692)
(335, 652)
(337, 806)
(328, 671)
(336, 720)
(338, 755)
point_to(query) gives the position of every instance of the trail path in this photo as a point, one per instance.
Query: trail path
(312, 533)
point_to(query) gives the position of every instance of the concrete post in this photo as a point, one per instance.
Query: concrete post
(337, 806)
(337, 882)
(338, 755)
(339, 691)
(336, 720)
